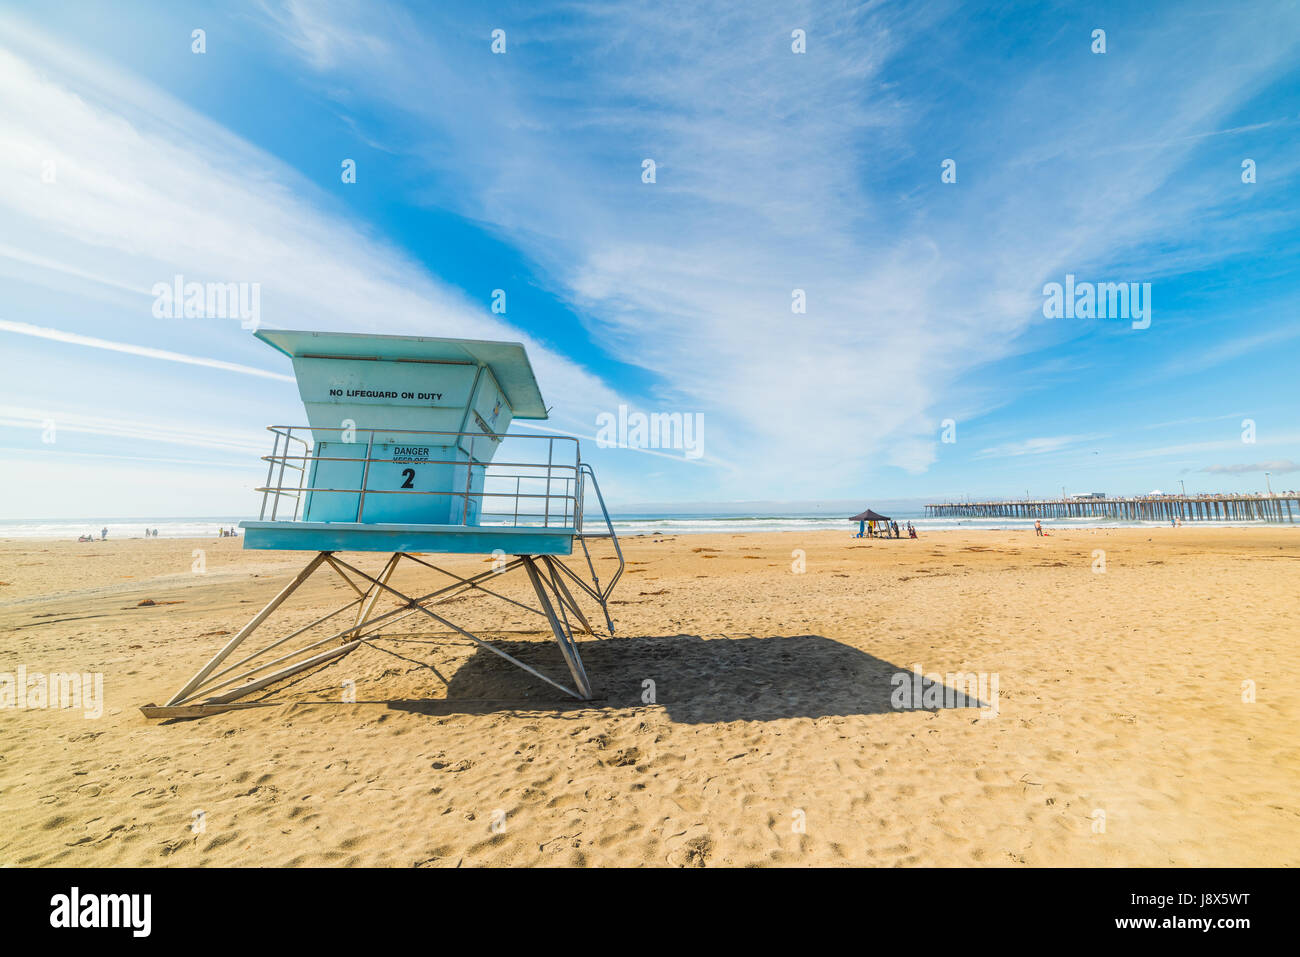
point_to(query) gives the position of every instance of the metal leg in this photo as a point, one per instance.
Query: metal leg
(568, 648)
(186, 703)
(351, 640)
(261, 683)
(248, 629)
(474, 582)
(595, 580)
(562, 591)
(414, 604)
(372, 595)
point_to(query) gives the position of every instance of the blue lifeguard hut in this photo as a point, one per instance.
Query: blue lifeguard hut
(407, 450)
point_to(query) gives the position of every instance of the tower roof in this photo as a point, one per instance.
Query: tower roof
(507, 360)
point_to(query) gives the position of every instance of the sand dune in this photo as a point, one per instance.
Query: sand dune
(1120, 734)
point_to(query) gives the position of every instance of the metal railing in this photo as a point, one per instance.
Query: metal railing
(529, 490)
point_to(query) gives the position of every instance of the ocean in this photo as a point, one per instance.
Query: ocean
(624, 524)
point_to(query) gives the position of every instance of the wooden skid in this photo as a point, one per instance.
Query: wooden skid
(198, 710)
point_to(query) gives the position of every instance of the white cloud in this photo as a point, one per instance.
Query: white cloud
(778, 172)
(145, 188)
(1277, 466)
(72, 338)
(1036, 446)
(137, 430)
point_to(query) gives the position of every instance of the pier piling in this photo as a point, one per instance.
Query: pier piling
(1280, 507)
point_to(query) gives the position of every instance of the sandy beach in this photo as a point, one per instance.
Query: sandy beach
(1121, 732)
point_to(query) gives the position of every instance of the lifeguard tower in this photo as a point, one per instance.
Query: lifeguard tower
(400, 455)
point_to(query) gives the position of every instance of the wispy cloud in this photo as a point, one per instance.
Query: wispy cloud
(1194, 420)
(146, 188)
(168, 432)
(72, 338)
(109, 456)
(1226, 351)
(1037, 446)
(1186, 449)
(1278, 466)
(778, 172)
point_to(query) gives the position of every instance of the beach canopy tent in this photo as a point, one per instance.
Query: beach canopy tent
(868, 516)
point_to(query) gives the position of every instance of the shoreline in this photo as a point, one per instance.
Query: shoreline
(656, 529)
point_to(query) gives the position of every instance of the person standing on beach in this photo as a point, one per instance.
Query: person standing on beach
(1038, 527)
(103, 533)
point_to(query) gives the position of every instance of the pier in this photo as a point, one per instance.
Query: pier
(1260, 507)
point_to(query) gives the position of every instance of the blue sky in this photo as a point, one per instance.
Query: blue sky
(775, 171)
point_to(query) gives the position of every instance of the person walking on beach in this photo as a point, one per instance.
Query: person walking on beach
(103, 533)
(1038, 527)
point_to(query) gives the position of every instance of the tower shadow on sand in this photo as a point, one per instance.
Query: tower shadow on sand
(696, 680)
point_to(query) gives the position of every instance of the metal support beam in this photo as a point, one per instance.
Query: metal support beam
(561, 590)
(248, 629)
(548, 585)
(372, 594)
(568, 647)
